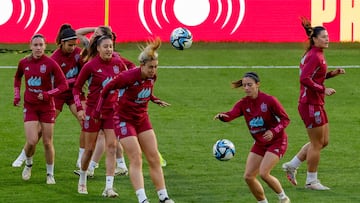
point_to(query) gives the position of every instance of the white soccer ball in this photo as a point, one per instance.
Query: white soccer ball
(224, 150)
(181, 38)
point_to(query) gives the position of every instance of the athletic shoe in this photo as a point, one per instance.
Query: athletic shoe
(19, 161)
(50, 180)
(290, 172)
(145, 201)
(109, 192)
(120, 171)
(89, 174)
(166, 200)
(316, 185)
(285, 200)
(162, 160)
(82, 189)
(26, 174)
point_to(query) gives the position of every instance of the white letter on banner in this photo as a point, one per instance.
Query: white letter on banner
(322, 11)
(349, 21)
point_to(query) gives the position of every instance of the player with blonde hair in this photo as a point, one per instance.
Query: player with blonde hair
(131, 120)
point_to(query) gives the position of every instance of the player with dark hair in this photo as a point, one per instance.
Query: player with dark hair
(44, 80)
(313, 72)
(266, 120)
(98, 72)
(131, 120)
(67, 56)
(87, 53)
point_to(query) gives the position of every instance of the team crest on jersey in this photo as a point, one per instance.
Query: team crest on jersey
(43, 68)
(116, 69)
(27, 68)
(263, 107)
(63, 65)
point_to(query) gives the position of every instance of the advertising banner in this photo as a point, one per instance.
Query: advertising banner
(208, 20)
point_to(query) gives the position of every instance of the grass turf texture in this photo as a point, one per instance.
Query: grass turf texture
(186, 131)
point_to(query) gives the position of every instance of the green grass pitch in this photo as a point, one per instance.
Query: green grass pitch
(186, 131)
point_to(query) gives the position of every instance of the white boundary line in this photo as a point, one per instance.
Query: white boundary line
(208, 67)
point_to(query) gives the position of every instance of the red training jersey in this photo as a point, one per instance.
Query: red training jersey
(98, 73)
(134, 93)
(313, 70)
(42, 75)
(261, 114)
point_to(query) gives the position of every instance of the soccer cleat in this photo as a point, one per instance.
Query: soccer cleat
(26, 174)
(285, 200)
(145, 201)
(162, 161)
(166, 200)
(290, 172)
(19, 161)
(82, 189)
(89, 174)
(50, 180)
(120, 171)
(109, 192)
(316, 185)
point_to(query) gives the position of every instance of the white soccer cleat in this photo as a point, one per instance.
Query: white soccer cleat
(50, 180)
(89, 174)
(121, 171)
(19, 161)
(109, 192)
(167, 200)
(316, 185)
(290, 172)
(285, 200)
(82, 189)
(26, 173)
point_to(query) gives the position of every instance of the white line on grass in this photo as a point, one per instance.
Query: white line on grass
(207, 67)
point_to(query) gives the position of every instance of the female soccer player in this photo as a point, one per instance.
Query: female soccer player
(313, 72)
(131, 120)
(121, 168)
(67, 55)
(266, 120)
(98, 72)
(41, 74)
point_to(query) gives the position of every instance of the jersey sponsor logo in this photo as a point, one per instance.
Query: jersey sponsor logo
(72, 72)
(256, 122)
(63, 65)
(99, 71)
(106, 81)
(34, 81)
(43, 68)
(144, 93)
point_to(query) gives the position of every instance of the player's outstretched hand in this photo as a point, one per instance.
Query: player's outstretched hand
(161, 103)
(220, 116)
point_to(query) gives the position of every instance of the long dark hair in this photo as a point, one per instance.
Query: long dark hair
(310, 31)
